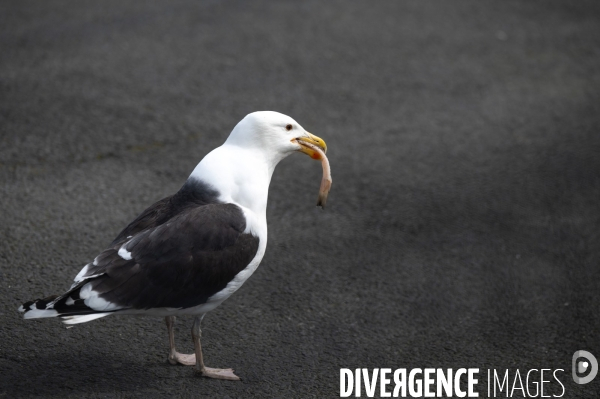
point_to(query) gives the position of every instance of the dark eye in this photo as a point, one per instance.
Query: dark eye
(288, 127)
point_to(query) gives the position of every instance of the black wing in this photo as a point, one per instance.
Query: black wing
(193, 193)
(151, 217)
(180, 263)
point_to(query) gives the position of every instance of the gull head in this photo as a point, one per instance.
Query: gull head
(276, 135)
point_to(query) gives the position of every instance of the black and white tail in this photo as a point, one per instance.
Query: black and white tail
(68, 306)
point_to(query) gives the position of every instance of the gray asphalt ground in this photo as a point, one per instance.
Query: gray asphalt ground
(462, 229)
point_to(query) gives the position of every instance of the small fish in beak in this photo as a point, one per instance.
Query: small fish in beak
(326, 180)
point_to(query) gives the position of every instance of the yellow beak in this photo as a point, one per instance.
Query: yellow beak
(314, 140)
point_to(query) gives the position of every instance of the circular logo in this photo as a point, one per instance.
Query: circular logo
(581, 366)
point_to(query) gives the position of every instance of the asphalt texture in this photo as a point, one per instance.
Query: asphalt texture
(463, 225)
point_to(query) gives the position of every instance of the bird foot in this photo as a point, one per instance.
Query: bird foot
(222, 374)
(186, 360)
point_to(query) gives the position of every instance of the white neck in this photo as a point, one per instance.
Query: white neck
(240, 175)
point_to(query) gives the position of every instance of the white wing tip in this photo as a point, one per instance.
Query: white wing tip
(39, 313)
(82, 318)
(124, 253)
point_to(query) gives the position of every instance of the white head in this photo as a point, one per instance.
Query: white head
(275, 135)
(241, 169)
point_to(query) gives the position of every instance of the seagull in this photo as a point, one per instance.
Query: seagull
(187, 253)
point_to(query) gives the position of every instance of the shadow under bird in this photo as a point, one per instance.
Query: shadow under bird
(189, 252)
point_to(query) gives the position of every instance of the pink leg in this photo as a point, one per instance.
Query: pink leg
(223, 374)
(174, 356)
